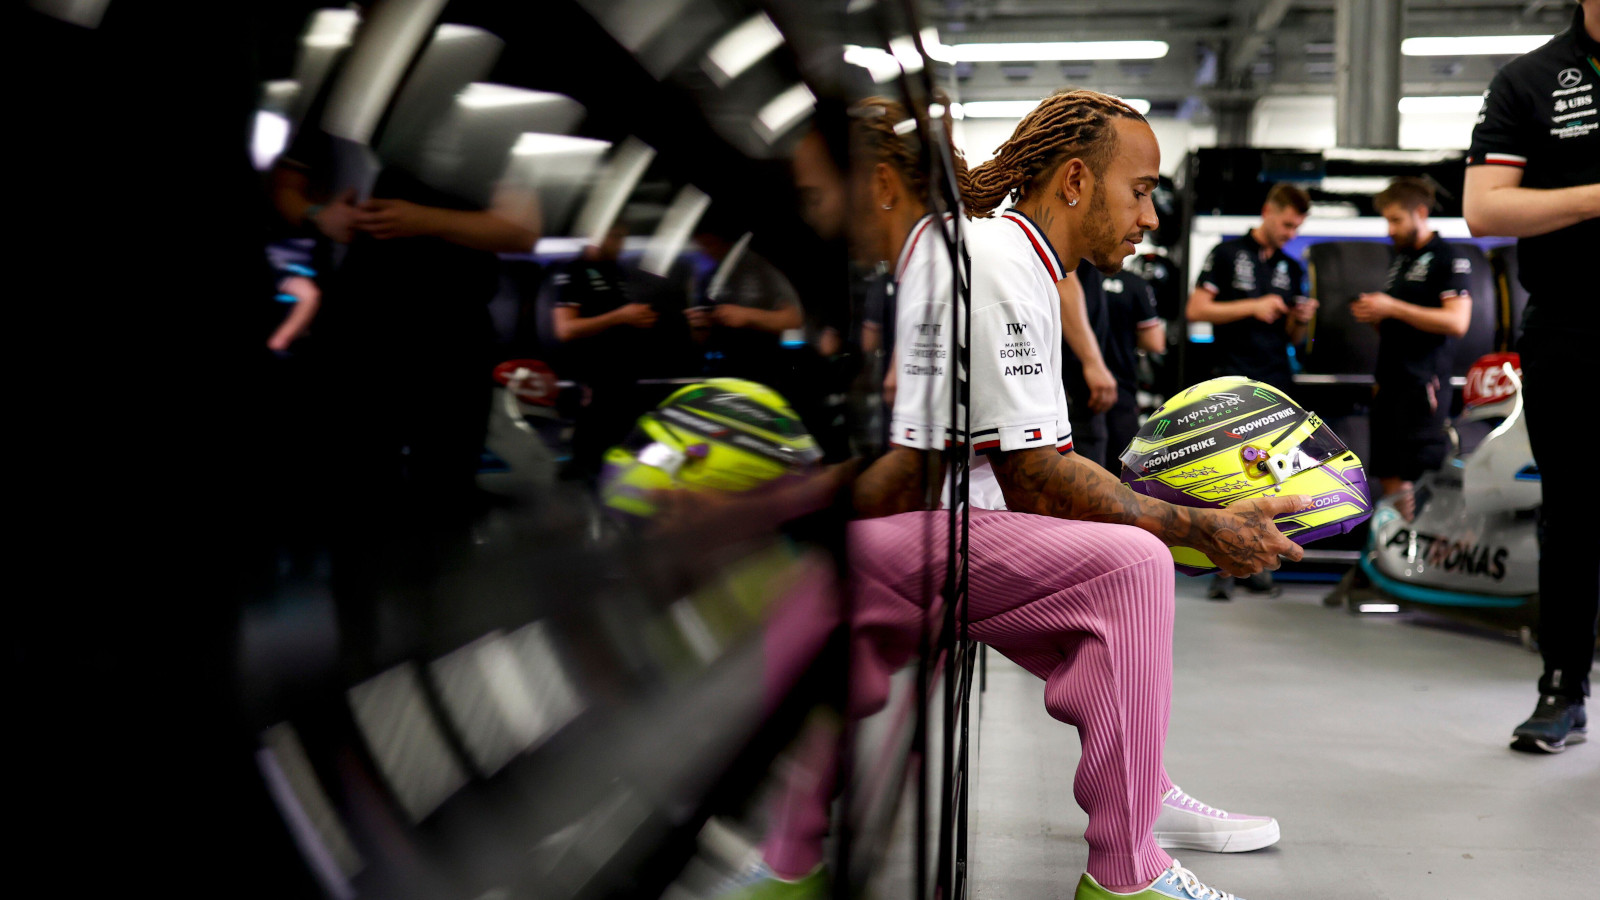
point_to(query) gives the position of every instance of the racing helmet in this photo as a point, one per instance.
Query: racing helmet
(1231, 438)
(721, 434)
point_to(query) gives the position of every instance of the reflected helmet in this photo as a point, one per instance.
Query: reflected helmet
(722, 434)
(1230, 439)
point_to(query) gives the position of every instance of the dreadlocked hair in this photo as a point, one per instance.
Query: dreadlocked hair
(1066, 124)
(882, 130)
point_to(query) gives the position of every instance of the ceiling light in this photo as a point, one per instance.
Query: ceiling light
(331, 28)
(742, 47)
(1016, 109)
(1053, 50)
(1467, 104)
(482, 95)
(904, 48)
(673, 232)
(1474, 45)
(880, 64)
(534, 144)
(786, 110)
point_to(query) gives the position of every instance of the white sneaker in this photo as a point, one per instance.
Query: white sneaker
(1186, 823)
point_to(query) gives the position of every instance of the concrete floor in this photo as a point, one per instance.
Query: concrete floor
(1380, 745)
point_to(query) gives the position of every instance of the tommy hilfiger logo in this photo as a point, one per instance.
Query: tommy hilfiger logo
(1035, 434)
(910, 433)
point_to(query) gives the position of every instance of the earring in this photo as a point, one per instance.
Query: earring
(888, 206)
(1072, 202)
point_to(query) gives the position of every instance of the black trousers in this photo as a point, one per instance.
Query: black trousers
(1088, 431)
(1555, 367)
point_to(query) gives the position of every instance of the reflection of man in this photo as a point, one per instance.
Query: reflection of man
(1254, 295)
(591, 300)
(1423, 305)
(1533, 173)
(1247, 287)
(607, 339)
(407, 306)
(748, 305)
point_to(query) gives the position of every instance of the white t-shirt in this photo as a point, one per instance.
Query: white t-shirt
(1018, 401)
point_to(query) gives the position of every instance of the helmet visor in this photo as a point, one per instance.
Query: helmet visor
(1295, 451)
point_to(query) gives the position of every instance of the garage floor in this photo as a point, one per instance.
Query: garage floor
(1379, 744)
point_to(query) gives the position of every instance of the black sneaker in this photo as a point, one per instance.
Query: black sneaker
(1261, 583)
(1221, 588)
(1556, 722)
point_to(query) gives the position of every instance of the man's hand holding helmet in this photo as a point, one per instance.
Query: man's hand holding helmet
(1242, 539)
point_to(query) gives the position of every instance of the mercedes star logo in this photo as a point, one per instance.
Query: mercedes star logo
(1569, 78)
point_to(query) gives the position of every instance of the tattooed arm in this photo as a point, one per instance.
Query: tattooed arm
(1240, 539)
(902, 480)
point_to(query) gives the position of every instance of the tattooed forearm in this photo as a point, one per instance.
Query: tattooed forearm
(902, 480)
(1242, 539)
(1070, 487)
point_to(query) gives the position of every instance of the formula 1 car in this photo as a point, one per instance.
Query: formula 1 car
(1471, 551)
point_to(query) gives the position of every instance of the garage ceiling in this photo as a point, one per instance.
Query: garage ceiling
(1220, 50)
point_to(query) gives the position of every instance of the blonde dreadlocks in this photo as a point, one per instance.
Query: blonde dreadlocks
(1066, 124)
(880, 131)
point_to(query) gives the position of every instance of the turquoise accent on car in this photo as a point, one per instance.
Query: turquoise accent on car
(1434, 596)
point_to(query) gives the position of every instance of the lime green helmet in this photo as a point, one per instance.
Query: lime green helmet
(722, 434)
(1229, 439)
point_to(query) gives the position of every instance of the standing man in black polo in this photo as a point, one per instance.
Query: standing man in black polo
(1424, 305)
(1134, 326)
(1533, 173)
(608, 337)
(1253, 294)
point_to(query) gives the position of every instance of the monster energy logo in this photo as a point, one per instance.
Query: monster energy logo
(1266, 395)
(1161, 427)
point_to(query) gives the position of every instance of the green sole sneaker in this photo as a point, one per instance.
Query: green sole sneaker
(1176, 883)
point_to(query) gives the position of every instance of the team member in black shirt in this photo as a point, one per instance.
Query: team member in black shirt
(1254, 295)
(1533, 172)
(607, 338)
(1424, 304)
(1088, 400)
(1132, 326)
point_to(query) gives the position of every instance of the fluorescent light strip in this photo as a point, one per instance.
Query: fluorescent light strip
(1016, 109)
(1050, 51)
(1459, 104)
(886, 65)
(535, 144)
(880, 64)
(742, 47)
(331, 28)
(904, 49)
(1474, 45)
(785, 110)
(483, 95)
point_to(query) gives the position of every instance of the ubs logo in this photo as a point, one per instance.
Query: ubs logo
(1569, 78)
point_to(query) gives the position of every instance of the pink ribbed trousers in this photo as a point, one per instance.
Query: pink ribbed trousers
(1085, 606)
